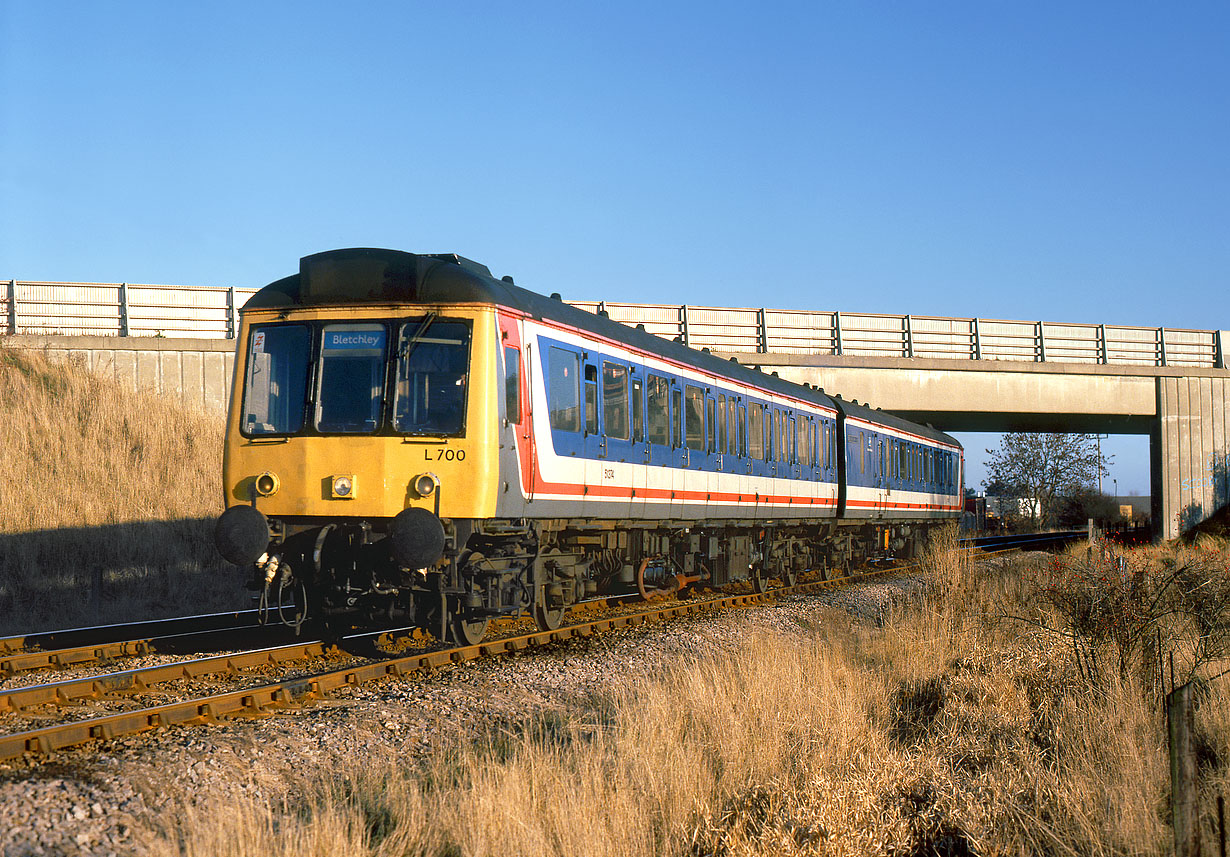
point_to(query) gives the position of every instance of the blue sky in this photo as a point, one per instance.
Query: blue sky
(1062, 161)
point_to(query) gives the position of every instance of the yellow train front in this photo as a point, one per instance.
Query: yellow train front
(362, 445)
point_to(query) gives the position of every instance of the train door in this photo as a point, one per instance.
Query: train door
(639, 453)
(659, 446)
(594, 444)
(617, 451)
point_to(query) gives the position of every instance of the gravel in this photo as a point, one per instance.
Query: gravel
(102, 799)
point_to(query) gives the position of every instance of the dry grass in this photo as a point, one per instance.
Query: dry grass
(107, 503)
(948, 730)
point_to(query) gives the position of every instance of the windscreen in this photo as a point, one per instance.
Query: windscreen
(275, 384)
(433, 362)
(351, 391)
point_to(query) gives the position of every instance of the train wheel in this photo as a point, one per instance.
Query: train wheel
(760, 581)
(469, 632)
(547, 619)
(787, 576)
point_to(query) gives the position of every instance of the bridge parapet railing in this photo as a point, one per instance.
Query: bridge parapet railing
(120, 309)
(751, 330)
(211, 312)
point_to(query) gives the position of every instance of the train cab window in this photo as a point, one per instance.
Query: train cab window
(659, 410)
(512, 384)
(350, 385)
(433, 360)
(591, 399)
(721, 424)
(615, 401)
(694, 418)
(638, 411)
(275, 383)
(755, 432)
(564, 389)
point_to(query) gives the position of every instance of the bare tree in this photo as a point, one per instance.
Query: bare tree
(1041, 469)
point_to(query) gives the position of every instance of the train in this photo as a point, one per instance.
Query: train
(412, 440)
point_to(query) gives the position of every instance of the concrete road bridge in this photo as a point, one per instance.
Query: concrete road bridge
(971, 374)
(959, 374)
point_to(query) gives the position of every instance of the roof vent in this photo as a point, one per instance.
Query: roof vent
(734, 360)
(640, 327)
(603, 314)
(678, 339)
(555, 296)
(774, 373)
(507, 279)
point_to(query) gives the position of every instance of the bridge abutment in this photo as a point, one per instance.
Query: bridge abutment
(1189, 448)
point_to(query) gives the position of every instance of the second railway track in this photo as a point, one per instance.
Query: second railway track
(367, 664)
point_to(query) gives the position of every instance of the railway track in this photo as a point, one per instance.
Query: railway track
(373, 665)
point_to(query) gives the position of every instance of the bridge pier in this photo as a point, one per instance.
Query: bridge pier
(1189, 448)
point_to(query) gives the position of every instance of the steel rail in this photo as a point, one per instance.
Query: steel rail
(167, 644)
(99, 634)
(289, 691)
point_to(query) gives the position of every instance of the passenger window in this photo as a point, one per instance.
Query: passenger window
(512, 384)
(732, 439)
(792, 441)
(615, 400)
(805, 443)
(721, 424)
(564, 390)
(659, 410)
(712, 422)
(591, 399)
(694, 418)
(638, 412)
(743, 430)
(677, 416)
(755, 430)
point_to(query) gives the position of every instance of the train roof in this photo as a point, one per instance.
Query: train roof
(370, 275)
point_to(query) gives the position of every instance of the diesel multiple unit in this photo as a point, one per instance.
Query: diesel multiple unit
(411, 439)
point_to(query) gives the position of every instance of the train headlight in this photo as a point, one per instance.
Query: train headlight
(342, 487)
(267, 484)
(425, 484)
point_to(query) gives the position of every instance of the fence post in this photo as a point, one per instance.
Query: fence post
(1219, 351)
(837, 331)
(764, 331)
(1102, 344)
(1183, 796)
(13, 307)
(123, 309)
(1161, 342)
(230, 313)
(909, 337)
(1041, 343)
(683, 322)
(977, 341)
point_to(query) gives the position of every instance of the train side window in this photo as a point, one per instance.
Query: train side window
(883, 460)
(659, 410)
(591, 399)
(677, 416)
(615, 400)
(638, 412)
(755, 431)
(805, 442)
(512, 384)
(732, 438)
(792, 442)
(742, 431)
(722, 424)
(694, 418)
(564, 389)
(711, 413)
